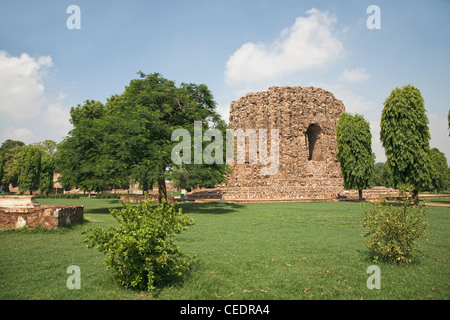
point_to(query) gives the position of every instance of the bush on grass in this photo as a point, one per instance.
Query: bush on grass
(141, 250)
(393, 229)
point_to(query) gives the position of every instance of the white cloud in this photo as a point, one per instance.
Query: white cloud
(21, 134)
(21, 87)
(58, 117)
(377, 146)
(354, 75)
(308, 44)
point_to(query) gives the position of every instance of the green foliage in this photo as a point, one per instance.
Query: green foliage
(377, 178)
(393, 230)
(9, 154)
(84, 158)
(47, 171)
(29, 169)
(58, 196)
(180, 178)
(129, 138)
(439, 178)
(355, 155)
(386, 173)
(405, 137)
(2, 172)
(47, 146)
(207, 176)
(448, 119)
(91, 109)
(141, 250)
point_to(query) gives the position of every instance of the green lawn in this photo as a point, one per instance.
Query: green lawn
(438, 200)
(244, 251)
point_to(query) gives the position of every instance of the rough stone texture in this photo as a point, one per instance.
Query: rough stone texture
(50, 217)
(306, 119)
(18, 201)
(370, 194)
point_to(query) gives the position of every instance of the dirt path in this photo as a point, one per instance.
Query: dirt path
(437, 204)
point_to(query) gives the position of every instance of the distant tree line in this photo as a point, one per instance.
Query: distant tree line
(29, 167)
(128, 140)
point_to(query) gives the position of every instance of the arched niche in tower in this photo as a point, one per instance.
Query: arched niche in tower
(314, 142)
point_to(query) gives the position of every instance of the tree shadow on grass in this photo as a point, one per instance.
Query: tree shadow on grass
(369, 257)
(176, 281)
(112, 204)
(210, 207)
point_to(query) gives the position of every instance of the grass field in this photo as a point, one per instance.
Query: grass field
(283, 251)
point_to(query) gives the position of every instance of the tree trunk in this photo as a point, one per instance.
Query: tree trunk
(415, 196)
(144, 186)
(162, 191)
(360, 195)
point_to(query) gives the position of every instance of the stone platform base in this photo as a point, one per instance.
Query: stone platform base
(24, 211)
(287, 194)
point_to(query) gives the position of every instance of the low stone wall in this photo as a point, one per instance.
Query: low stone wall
(370, 194)
(50, 217)
(289, 192)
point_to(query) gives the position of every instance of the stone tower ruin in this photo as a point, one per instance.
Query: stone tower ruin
(306, 119)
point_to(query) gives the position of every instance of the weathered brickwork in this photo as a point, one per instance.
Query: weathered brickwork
(18, 212)
(306, 119)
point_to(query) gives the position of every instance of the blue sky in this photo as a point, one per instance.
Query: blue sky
(232, 46)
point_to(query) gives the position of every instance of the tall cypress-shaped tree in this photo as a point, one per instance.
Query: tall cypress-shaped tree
(405, 137)
(439, 174)
(354, 142)
(47, 171)
(29, 169)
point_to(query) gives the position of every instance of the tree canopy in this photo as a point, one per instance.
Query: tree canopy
(129, 137)
(405, 137)
(439, 179)
(9, 154)
(29, 169)
(355, 155)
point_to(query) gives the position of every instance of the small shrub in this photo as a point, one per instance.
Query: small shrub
(393, 229)
(141, 250)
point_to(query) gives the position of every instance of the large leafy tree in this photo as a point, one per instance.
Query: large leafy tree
(150, 109)
(405, 137)
(82, 157)
(129, 138)
(355, 155)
